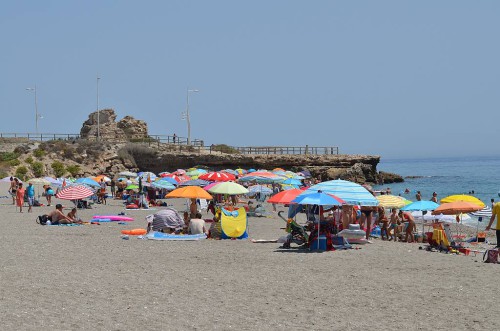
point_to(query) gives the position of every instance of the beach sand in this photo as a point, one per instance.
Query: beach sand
(87, 277)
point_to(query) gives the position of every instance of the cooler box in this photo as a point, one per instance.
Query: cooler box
(322, 244)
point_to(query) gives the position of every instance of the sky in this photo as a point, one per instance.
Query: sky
(399, 79)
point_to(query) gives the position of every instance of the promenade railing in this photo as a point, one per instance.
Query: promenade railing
(181, 144)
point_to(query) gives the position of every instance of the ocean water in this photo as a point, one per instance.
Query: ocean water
(445, 176)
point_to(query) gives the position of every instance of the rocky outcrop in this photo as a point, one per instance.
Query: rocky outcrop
(126, 129)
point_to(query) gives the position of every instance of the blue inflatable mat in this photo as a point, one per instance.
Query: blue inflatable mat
(72, 224)
(180, 237)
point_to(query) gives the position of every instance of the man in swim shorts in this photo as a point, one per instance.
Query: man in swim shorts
(57, 216)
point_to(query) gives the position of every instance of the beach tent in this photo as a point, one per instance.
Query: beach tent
(168, 217)
(234, 224)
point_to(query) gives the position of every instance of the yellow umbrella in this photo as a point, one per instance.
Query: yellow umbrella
(190, 192)
(464, 198)
(390, 201)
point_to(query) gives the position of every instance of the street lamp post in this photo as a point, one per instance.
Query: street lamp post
(98, 121)
(187, 114)
(36, 108)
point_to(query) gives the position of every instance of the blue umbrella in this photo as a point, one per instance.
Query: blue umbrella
(195, 182)
(319, 198)
(291, 181)
(87, 181)
(420, 205)
(169, 180)
(163, 185)
(351, 193)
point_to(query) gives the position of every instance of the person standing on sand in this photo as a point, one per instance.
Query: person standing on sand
(495, 213)
(20, 197)
(113, 188)
(13, 188)
(30, 192)
(394, 224)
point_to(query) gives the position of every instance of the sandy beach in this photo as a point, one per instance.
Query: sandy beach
(87, 277)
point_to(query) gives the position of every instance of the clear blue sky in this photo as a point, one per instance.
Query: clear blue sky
(391, 78)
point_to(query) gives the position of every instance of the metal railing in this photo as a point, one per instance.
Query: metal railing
(176, 143)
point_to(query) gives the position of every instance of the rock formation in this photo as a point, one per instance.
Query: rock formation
(125, 129)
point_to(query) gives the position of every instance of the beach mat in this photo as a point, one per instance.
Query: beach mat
(154, 235)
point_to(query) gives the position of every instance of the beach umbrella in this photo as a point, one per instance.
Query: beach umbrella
(132, 187)
(127, 174)
(190, 192)
(390, 201)
(53, 181)
(147, 176)
(178, 179)
(179, 172)
(231, 171)
(457, 207)
(217, 177)
(486, 212)
(351, 193)
(319, 199)
(169, 180)
(285, 197)
(206, 188)
(195, 182)
(104, 177)
(423, 205)
(75, 192)
(291, 181)
(229, 188)
(87, 181)
(163, 174)
(259, 189)
(163, 185)
(39, 181)
(463, 197)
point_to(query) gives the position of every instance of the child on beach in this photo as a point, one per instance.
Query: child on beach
(383, 222)
(73, 217)
(394, 225)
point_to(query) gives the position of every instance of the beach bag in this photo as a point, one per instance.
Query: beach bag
(490, 256)
(42, 219)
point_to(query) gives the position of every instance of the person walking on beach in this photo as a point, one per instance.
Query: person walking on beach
(495, 214)
(20, 197)
(30, 192)
(434, 197)
(113, 188)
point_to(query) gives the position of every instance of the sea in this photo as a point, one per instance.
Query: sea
(477, 176)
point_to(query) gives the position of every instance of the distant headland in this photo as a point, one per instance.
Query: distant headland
(114, 146)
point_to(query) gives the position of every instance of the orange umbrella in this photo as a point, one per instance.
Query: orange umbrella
(190, 192)
(284, 197)
(455, 208)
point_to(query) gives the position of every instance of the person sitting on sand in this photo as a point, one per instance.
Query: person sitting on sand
(57, 216)
(74, 217)
(215, 231)
(394, 225)
(197, 225)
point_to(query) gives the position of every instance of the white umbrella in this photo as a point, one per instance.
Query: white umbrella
(128, 174)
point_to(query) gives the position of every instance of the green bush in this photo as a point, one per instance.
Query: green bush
(59, 169)
(38, 169)
(8, 156)
(15, 162)
(224, 149)
(29, 160)
(73, 169)
(21, 173)
(38, 152)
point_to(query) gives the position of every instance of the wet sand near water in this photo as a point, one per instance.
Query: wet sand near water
(87, 277)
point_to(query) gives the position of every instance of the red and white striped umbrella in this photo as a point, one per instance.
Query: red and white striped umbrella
(179, 179)
(74, 193)
(217, 176)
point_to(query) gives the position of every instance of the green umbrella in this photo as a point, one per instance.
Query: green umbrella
(229, 188)
(132, 187)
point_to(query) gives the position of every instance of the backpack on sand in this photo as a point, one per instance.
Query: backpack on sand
(42, 219)
(490, 256)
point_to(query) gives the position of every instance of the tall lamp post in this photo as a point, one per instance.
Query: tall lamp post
(187, 114)
(98, 121)
(36, 108)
